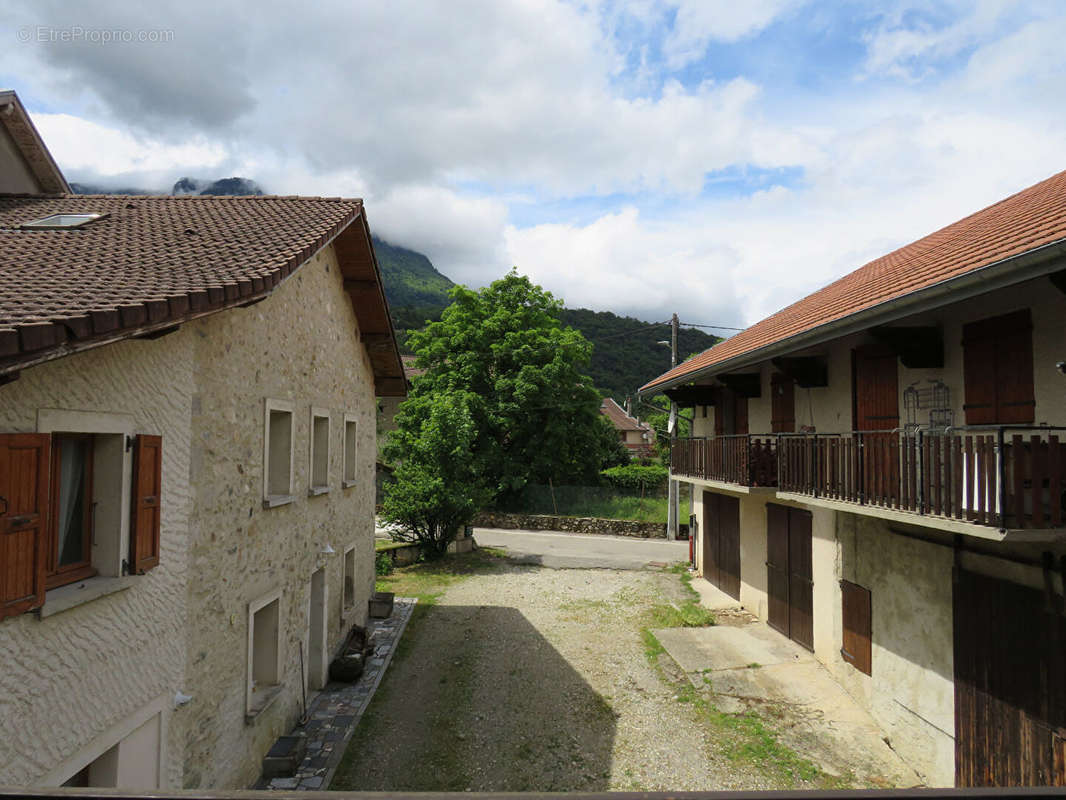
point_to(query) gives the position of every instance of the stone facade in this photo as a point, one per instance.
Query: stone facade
(301, 346)
(107, 670)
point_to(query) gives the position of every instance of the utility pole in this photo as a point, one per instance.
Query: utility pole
(672, 497)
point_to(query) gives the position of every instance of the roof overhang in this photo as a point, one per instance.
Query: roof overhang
(17, 123)
(1036, 263)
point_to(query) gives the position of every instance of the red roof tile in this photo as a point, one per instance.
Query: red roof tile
(1022, 222)
(619, 418)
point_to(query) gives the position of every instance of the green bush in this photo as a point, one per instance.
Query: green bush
(637, 478)
(383, 563)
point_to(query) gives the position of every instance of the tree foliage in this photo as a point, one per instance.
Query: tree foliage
(637, 477)
(503, 402)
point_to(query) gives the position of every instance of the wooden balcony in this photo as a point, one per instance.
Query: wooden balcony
(1005, 477)
(744, 460)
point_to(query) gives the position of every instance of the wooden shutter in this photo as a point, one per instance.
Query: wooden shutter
(783, 406)
(24, 517)
(857, 646)
(997, 355)
(147, 487)
(740, 415)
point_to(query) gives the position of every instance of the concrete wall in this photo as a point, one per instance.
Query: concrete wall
(300, 345)
(911, 689)
(74, 684)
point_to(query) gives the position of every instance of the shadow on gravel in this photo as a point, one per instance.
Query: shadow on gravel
(477, 699)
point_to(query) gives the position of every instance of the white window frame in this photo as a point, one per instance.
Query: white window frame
(258, 704)
(312, 487)
(271, 405)
(348, 480)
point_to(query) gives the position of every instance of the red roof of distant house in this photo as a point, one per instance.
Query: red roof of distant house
(619, 418)
(154, 262)
(1023, 222)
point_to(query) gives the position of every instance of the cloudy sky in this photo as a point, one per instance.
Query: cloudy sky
(717, 158)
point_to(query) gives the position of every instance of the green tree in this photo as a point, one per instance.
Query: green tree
(657, 414)
(439, 484)
(535, 413)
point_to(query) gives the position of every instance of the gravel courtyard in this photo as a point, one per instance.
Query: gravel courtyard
(525, 678)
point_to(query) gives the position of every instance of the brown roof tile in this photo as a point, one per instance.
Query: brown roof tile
(619, 418)
(150, 261)
(1022, 222)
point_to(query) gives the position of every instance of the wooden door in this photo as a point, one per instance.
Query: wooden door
(1010, 684)
(777, 567)
(789, 573)
(876, 408)
(721, 543)
(800, 578)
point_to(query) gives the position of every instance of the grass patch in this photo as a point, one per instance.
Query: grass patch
(384, 545)
(688, 614)
(429, 579)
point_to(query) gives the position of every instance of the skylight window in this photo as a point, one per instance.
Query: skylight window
(60, 222)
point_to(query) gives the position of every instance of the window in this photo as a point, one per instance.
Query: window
(264, 652)
(318, 467)
(60, 222)
(65, 508)
(857, 646)
(349, 579)
(998, 370)
(351, 430)
(277, 453)
(68, 551)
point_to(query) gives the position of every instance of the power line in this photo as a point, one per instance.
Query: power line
(718, 327)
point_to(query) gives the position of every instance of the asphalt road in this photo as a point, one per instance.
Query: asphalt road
(582, 551)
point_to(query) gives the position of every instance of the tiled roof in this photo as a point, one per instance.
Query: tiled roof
(619, 418)
(1022, 222)
(155, 261)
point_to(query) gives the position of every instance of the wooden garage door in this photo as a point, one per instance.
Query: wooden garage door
(1010, 684)
(789, 573)
(721, 542)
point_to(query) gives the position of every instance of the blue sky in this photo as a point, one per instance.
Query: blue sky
(718, 159)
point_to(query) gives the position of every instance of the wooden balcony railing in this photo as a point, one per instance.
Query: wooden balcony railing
(1007, 477)
(746, 460)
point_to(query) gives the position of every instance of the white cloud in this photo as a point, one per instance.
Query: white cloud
(700, 22)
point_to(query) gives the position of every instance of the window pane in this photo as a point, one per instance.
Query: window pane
(73, 476)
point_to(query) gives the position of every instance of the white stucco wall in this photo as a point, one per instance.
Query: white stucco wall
(73, 682)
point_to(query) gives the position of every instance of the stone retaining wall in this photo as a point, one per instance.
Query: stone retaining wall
(546, 522)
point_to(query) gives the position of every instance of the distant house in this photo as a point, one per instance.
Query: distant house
(880, 474)
(187, 440)
(638, 437)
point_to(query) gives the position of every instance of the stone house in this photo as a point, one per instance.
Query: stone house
(880, 474)
(637, 437)
(187, 403)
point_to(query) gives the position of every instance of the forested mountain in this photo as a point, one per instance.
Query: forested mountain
(625, 353)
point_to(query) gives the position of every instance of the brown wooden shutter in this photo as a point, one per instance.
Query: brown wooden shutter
(998, 370)
(740, 415)
(857, 647)
(147, 487)
(24, 517)
(719, 411)
(783, 407)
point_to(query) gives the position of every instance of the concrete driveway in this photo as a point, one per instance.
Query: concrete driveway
(751, 667)
(582, 551)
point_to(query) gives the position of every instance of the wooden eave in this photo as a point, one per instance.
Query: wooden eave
(362, 281)
(30, 145)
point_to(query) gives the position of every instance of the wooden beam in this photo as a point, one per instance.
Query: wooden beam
(809, 372)
(390, 387)
(1058, 280)
(351, 284)
(691, 396)
(918, 347)
(744, 384)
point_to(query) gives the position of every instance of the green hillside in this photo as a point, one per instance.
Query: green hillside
(625, 352)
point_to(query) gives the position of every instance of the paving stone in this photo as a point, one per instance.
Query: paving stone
(283, 783)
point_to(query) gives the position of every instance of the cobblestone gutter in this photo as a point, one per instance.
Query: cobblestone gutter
(334, 712)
